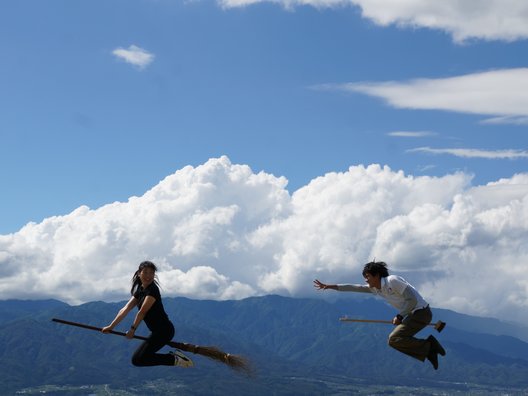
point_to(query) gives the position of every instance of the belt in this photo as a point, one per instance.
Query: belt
(418, 309)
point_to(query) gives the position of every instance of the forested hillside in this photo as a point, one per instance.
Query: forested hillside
(297, 346)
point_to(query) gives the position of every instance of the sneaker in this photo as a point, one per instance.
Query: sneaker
(181, 360)
(436, 345)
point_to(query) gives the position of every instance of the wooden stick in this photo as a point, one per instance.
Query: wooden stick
(439, 326)
(235, 362)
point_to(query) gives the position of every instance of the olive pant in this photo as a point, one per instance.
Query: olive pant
(402, 337)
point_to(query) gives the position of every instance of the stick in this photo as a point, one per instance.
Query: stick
(235, 362)
(439, 326)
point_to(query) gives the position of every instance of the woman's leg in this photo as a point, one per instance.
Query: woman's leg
(146, 354)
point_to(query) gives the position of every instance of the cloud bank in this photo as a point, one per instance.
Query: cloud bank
(222, 231)
(505, 20)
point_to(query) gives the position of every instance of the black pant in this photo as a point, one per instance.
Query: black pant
(146, 354)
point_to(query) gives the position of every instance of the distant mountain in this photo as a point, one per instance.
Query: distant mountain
(14, 309)
(475, 324)
(298, 346)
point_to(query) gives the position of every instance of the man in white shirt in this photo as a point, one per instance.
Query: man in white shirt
(413, 311)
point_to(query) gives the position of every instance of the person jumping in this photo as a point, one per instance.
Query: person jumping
(413, 311)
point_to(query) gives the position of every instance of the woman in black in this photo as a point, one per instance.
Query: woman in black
(146, 296)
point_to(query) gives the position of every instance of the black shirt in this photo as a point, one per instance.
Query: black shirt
(156, 318)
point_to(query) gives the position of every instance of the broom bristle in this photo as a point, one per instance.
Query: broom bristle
(240, 364)
(235, 362)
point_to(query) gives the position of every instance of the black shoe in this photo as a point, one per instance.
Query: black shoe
(433, 358)
(435, 345)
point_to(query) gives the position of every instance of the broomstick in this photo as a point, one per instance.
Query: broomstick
(439, 326)
(234, 362)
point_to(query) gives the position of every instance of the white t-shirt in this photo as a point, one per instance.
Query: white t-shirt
(396, 290)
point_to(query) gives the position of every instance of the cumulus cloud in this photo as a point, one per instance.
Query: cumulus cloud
(483, 19)
(501, 94)
(222, 231)
(134, 55)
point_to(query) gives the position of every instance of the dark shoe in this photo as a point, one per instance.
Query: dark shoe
(433, 358)
(435, 345)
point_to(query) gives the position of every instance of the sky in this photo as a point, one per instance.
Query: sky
(249, 147)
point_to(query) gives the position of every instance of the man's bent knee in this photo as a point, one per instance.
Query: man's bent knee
(394, 341)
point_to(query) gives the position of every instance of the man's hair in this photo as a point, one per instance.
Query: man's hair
(376, 267)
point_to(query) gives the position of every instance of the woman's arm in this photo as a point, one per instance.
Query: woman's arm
(123, 312)
(145, 307)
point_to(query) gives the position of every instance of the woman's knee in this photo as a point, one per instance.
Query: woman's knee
(137, 360)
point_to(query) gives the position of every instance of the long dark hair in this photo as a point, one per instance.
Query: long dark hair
(136, 281)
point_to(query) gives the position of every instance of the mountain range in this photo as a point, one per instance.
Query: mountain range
(296, 346)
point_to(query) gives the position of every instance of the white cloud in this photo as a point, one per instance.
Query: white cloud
(134, 55)
(482, 19)
(206, 283)
(502, 93)
(221, 231)
(474, 153)
(411, 134)
(516, 120)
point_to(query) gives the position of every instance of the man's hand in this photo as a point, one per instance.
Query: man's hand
(322, 286)
(319, 285)
(397, 320)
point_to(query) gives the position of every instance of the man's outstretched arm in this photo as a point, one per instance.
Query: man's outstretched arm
(342, 287)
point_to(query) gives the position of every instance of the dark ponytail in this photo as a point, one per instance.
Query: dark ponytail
(136, 281)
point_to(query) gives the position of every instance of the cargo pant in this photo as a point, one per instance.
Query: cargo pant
(402, 337)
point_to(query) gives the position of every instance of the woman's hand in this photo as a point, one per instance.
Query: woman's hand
(107, 329)
(130, 333)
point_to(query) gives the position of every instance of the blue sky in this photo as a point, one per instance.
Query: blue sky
(251, 146)
(80, 125)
